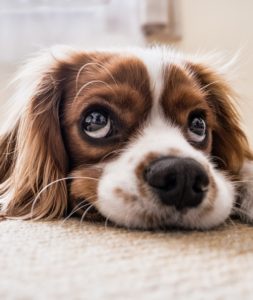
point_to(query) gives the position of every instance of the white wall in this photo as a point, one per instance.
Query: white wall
(27, 25)
(223, 25)
(207, 25)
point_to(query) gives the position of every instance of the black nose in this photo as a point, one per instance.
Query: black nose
(181, 182)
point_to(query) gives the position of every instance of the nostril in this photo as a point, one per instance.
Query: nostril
(200, 184)
(160, 177)
(171, 182)
(182, 182)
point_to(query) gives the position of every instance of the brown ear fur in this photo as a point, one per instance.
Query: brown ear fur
(7, 148)
(230, 145)
(32, 155)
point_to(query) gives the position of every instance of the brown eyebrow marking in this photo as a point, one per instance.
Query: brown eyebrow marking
(182, 95)
(133, 72)
(121, 84)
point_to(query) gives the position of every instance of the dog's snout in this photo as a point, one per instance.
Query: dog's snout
(179, 182)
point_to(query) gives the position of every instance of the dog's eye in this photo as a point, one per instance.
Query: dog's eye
(97, 124)
(197, 129)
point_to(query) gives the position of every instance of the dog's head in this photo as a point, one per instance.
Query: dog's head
(147, 137)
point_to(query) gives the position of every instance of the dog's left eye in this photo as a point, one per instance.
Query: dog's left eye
(97, 124)
(197, 129)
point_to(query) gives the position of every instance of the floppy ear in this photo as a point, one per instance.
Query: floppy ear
(229, 145)
(32, 156)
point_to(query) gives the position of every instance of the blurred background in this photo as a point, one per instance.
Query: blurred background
(188, 25)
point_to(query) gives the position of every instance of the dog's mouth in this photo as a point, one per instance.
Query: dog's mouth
(167, 192)
(145, 219)
(148, 214)
(137, 212)
(186, 206)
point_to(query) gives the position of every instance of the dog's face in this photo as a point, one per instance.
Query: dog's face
(146, 137)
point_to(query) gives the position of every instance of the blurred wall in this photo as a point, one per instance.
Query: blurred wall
(223, 25)
(206, 25)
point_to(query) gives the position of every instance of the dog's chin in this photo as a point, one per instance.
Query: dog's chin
(166, 218)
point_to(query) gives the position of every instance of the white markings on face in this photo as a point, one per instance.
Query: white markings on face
(131, 208)
(120, 197)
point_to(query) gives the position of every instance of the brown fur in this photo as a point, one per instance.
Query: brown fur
(123, 86)
(229, 145)
(85, 181)
(45, 145)
(183, 95)
(34, 156)
(139, 171)
(127, 197)
(83, 192)
(34, 160)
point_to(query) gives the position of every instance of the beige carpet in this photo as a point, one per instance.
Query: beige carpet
(56, 260)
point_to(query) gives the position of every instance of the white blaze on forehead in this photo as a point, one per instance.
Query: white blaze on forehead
(162, 138)
(154, 63)
(157, 60)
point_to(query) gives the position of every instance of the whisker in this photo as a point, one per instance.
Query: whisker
(117, 151)
(86, 211)
(243, 181)
(106, 222)
(79, 73)
(78, 206)
(229, 219)
(89, 83)
(241, 212)
(204, 88)
(219, 159)
(92, 166)
(53, 182)
(94, 64)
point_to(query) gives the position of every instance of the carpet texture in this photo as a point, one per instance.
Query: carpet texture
(56, 260)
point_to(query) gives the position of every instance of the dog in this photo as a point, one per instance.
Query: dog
(146, 138)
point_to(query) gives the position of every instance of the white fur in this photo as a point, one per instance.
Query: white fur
(159, 137)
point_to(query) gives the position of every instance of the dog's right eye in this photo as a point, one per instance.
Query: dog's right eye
(97, 124)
